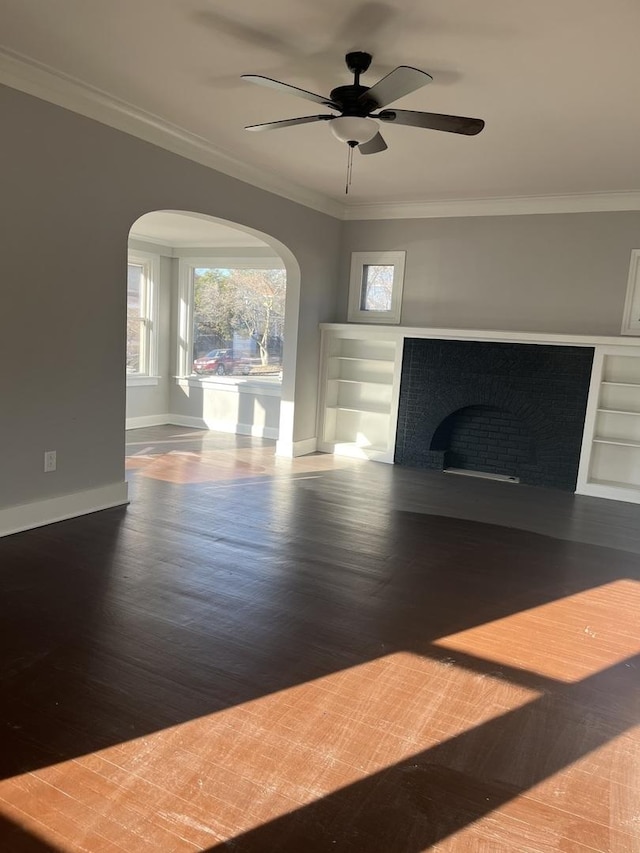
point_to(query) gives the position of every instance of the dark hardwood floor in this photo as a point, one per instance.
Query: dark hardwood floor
(321, 654)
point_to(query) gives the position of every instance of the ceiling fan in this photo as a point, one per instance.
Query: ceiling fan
(356, 105)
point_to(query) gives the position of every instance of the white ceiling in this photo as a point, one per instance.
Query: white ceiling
(555, 80)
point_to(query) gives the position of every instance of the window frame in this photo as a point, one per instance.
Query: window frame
(186, 269)
(631, 315)
(360, 260)
(148, 364)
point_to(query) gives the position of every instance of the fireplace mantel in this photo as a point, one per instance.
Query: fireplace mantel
(399, 333)
(360, 387)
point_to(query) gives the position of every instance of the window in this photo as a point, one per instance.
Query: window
(232, 318)
(141, 305)
(631, 318)
(375, 287)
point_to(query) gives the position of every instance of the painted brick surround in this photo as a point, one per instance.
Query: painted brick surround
(502, 408)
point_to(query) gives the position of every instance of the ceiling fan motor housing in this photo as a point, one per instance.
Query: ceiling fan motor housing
(358, 61)
(349, 98)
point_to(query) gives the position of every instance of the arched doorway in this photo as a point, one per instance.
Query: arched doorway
(198, 286)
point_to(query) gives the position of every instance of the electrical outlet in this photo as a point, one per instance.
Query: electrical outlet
(49, 460)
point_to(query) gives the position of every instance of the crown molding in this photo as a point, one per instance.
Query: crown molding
(34, 78)
(42, 81)
(510, 206)
(224, 250)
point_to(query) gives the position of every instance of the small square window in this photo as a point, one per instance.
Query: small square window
(375, 287)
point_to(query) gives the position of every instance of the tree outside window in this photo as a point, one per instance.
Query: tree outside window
(240, 311)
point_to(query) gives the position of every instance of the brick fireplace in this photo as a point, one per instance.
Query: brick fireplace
(502, 409)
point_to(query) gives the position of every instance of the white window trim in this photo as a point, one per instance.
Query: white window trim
(136, 380)
(631, 316)
(149, 340)
(186, 267)
(358, 262)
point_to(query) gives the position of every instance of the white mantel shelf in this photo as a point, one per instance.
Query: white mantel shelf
(360, 388)
(489, 335)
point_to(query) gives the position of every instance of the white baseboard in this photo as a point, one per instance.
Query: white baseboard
(223, 426)
(147, 421)
(27, 516)
(629, 494)
(186, 421)
(291, 449)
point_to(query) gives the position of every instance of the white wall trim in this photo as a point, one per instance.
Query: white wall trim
(147, 421)
(27, 516)
(187, 421)
(590, 417)
(292, 449)
(35, 78)
(237, 385)
(360, 260)
(614, 493)
(254, 430)
(232, 427)
(136, 380)
(235, 256)
(137, 244)
(355, 330)
(512, 206)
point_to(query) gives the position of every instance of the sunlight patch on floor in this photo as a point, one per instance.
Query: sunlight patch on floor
(539, 639)
(231, 771)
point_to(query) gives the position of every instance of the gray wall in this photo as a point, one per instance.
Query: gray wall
(71, 189)
(551, 273)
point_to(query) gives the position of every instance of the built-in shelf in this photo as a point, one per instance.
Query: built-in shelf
(614, 484)
(358, 410)
(350, 448)
(610, 462)
(355, 358)
(363, 407)
(363, 382)
(599, 439)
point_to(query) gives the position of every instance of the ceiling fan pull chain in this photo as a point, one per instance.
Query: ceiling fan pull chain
(346, 186)
(351, 145)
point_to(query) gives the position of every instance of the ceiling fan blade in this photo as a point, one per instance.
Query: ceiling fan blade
(433, 121)
(401, 81)
(291, 90)
(288, 122)
(373, 145)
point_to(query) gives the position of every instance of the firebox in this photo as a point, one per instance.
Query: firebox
(514, 411)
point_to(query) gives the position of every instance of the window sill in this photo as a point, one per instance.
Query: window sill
(134, 380)
(269, 386)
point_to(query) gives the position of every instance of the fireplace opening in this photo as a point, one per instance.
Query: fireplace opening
(510, 411)
(483, 440)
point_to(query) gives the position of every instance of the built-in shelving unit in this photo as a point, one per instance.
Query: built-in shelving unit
(360, 388)
(358, 411)
(610, 461)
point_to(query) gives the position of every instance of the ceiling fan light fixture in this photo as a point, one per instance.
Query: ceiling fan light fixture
(353, 129)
